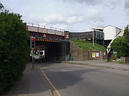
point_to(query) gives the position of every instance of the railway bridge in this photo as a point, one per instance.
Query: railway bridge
(54, 42)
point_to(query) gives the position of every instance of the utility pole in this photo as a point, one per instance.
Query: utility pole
(93, 37)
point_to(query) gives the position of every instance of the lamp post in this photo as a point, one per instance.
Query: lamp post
(93, 37)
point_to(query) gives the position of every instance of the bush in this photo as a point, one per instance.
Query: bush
(14, 49)
(121, 44)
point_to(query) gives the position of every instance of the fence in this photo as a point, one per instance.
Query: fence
(124, 59)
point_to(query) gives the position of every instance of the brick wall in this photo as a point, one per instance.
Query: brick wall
(77, 53)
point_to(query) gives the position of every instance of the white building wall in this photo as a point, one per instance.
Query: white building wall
(109, 32)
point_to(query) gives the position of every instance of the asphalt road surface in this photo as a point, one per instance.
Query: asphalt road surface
(80, 80)
(58, 79)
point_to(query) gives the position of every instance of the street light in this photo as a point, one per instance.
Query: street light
(93, 37)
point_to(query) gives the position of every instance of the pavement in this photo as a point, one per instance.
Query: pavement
(61, 79)
(32, 84)
(102, 64)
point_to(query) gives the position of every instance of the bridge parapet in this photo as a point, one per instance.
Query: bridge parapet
(38, 29)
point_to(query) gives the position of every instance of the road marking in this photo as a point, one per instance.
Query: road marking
(52, 85)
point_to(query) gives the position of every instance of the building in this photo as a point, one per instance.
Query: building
(110, 32)
(88, 36)
(102, 35)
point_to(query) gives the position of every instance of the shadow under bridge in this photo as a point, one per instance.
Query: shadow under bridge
(54, 50)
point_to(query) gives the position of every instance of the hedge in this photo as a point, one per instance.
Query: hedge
(14, 49)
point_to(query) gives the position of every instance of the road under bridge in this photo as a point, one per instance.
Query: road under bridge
(54, 50)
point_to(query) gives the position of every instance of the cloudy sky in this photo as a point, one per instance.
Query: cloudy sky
(72, 15)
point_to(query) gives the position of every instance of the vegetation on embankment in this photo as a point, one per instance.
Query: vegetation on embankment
(85, 45)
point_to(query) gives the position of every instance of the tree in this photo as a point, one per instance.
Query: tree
(121, 44)
(126, 32)
(1, 6)
(14, 49)
(126, 35)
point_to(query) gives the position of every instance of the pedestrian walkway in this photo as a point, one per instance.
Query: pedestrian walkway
(102, 63)
(32, 84)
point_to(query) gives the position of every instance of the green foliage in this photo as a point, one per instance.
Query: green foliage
(14, 49)
(126, 35)
(85, 45)
(121, 44)
(126, 32)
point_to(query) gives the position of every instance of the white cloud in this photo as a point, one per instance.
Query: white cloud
(73, 15)
(53, 18)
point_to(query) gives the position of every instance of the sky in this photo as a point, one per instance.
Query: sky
(71, 15)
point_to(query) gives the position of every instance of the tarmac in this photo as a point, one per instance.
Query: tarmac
(102, 64)
(35, 84)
